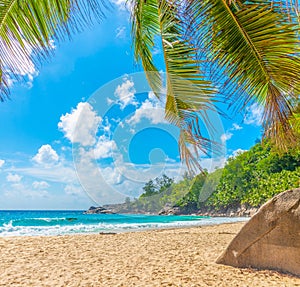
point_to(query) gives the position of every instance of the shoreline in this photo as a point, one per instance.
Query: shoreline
(162, 257)
(84, 228)
(131, 230)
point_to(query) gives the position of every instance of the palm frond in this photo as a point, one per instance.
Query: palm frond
(145, 29)
(28, 26)
(257, 49)
(188, 94)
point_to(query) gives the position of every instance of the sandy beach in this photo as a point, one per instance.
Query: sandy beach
(175, 257)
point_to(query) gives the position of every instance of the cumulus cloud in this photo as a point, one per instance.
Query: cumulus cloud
(40, 185)
(81, 125)
(150, 109)
(2, 162)
(125, 93)
(112, 183)
(46, 156)
(13, 178)
(226, 136)
(254, 115)
(104, 148)
(112, 175)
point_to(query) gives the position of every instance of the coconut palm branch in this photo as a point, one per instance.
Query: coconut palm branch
(27, 28)
(188, 95)
(256, 48)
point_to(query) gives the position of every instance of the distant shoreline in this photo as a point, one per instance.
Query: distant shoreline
(240, 211)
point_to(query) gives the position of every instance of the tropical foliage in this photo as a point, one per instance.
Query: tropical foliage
(250, 179)
(250, 49)
(28, 27)
(156, 194)
(244, 50)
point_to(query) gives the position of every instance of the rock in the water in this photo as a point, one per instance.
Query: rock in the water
(98, 210)
(271, 238)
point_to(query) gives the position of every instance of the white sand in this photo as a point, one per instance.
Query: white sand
(177, 257)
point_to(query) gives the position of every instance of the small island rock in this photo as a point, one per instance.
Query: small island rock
(98, 210)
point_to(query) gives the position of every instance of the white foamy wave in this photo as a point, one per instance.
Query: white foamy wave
(10, 230)
(48, 219)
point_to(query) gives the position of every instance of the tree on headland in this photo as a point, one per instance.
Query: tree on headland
(245, 50)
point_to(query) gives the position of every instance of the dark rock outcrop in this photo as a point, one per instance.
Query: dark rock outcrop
(98, 210)
(170, 210)
(241, 211)
(271, 238)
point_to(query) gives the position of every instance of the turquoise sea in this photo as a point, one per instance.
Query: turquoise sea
(36, 223)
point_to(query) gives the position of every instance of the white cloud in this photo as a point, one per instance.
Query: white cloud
(236, 127)
(212, 163)
(226, 136)
(123, 5)
(46, 156)
(107, 184)
(22, 64)
(19, 190)
(106, 127)
(13, 178)
(2, 162)
(238, 152)
(81, 125)
(59, 174)
(40, 185)
(150, 109)
(125, 93)
(104, 148)
(109, 101)
(121, 32)
(74, 190)
(254, 115)
(112, 175)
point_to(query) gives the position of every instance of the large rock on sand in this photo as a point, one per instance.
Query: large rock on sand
(271, 238)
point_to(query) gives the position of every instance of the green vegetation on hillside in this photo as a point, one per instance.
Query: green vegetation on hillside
(250, 179)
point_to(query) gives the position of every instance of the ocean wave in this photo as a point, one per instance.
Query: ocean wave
(10, 230)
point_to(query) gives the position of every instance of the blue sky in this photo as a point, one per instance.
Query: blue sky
(82, 126)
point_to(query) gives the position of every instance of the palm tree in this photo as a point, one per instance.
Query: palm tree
(246, 50)
(28, 27)
(251, 49)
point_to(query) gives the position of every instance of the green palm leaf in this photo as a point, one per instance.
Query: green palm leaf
(188, 94)
(257, 48)
(28, 26)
